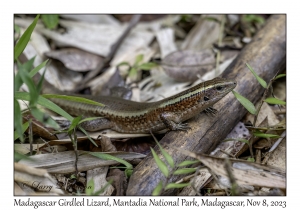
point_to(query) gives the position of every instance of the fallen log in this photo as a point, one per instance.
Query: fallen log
(267, 55)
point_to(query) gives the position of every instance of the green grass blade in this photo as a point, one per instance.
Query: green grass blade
(174, 185)
(279, 76)
(147, 66)
(44, 102)
(188, 162)
(124, 64)
(18, 157)
(23, 41)
(132, 72)
(73, 98)
(157, 189)
(245, 102)
(265, 135)
(28, 65)
(258, 78)
(90, 187)
(42, 117)
(128, 172)
(74, 123)
(168, 157)
(110, 157)
(18, 82)
(18, 119)
(89, 119)
(39, 67)
(24, 128)
(84, 131)
(184, 171)
(51, 21)
(103, 188)
(30, 84)
(163, 168)
(139, 58)
(274, 101)
(40, 83)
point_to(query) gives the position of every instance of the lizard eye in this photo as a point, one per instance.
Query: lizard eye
(206, 98)
(219, 88)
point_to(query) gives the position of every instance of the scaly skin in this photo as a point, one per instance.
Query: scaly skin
(133, 117)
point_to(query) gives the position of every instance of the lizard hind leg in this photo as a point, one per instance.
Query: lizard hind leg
(97, 124)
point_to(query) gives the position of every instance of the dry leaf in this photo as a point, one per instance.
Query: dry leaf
(244, 172)
(75, 59)
(99, 177)
(63, 162)
(188, 65)
(38, 179)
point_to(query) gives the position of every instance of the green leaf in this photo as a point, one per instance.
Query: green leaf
(265, 135)
(132, 72)
(188, 162)
(139, 58)
(44, 118)
(184, 171)
(73, 98)
(74, 123)
(147, 66)
(157, 189)
(90, 187)
(124, 64)
(254, 18)
(73, 176)
(24, 128)
(89, 119)
(39, 67)
(28, 65)
(23, 41)
(18, 119)
(44, 102)
(30, 84)
(251, 160)
(18, 82)
(259, 79)
(272, 100)
(110, 157)
(174, 185)
(51, 21)
(279, 76)
(40, 83)
(128, 172)
(17, 30)
(103, 188)
(163, 168)
(83, 131)
(241, 140)
(168, 157)
(18, 157)
(246, 103)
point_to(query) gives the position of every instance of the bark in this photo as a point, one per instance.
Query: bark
(267, 55)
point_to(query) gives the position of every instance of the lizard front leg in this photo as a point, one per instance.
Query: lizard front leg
(172, 121)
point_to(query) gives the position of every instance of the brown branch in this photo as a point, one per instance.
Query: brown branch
(266, 54)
